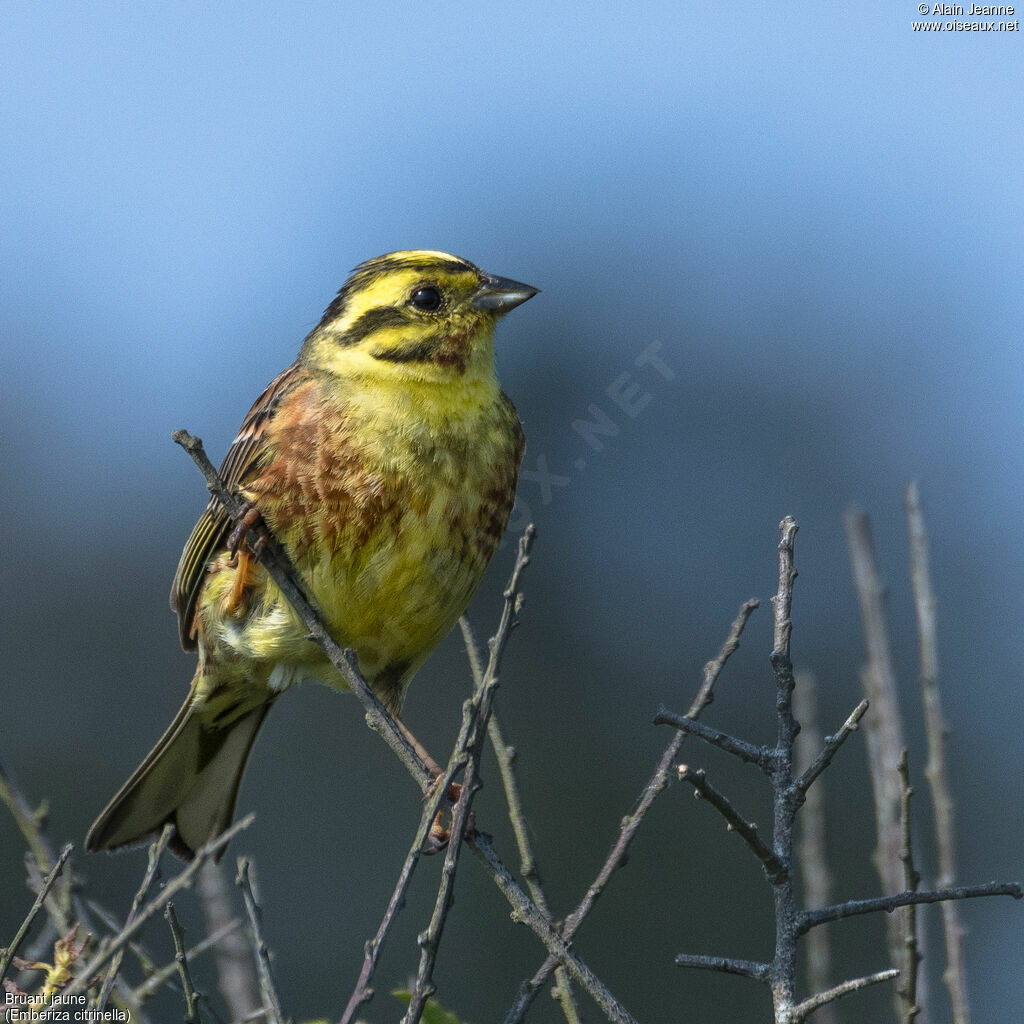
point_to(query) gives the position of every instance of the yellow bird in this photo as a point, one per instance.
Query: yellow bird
(384, 460)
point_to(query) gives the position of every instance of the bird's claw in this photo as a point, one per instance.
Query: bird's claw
(250, 519)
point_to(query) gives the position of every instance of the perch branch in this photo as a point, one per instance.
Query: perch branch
(935, 770)
(746, 830)
(280, 570)
(631, 823)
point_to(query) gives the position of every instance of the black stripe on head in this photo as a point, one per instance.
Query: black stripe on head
(373, 320)
(416, 352)
(371, 269)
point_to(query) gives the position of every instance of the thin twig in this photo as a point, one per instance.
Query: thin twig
(155, 852)
(236, 972)
(755, 969)
(811, 847)
(884, 728)
(936, 770)
(181, 963)
(271, 1000)
(631, 823)
(44, 890)
(828, 751)
(746, 830)
(161, 975)
(31, 824)
(63, 907)
(279, 568)
(907, 990)
(468, 749)
(803, 1010)
(812, 918)
(181, 881)
(362, 992)
(506, 757)
(525, 911)
(745, 751)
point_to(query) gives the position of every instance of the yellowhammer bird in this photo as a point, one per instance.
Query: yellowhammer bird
(384, 460)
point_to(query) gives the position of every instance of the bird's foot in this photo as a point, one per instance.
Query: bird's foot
(250, 519)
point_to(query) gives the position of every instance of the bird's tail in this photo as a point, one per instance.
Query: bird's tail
(190, 779)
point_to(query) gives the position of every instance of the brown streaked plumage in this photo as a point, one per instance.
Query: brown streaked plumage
(385, 461)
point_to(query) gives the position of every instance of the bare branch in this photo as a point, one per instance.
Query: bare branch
(727, 965)
(803, 1010)
(832, 744)
(907, 990)
(181, 881)
(883, 728)
(271, 1001)
(31, 824)
(812, 918)
(237, 980)
(631, 823)
(488, 682)
(161, 975)
(44, 890)
(181, 963)
(936, 771)
(152, 867)
(746, 830)
(811, 846)
(506, 756)
(525, 911)
(785, 802)
(730, 744)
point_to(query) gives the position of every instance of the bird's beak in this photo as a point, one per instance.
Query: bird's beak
(500, 294)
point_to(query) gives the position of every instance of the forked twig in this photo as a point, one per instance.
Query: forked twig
(181, 963)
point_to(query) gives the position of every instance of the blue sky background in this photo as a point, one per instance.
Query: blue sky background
(815, 211)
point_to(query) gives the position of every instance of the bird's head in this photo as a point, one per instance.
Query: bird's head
(416, 314)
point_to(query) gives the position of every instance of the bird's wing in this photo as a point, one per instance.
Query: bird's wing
(247, 454)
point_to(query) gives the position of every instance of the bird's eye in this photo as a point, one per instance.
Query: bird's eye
(428, 299)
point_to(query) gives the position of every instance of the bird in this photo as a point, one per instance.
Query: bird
(384, 463)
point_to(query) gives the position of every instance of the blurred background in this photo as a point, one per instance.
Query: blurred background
(812, 216)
